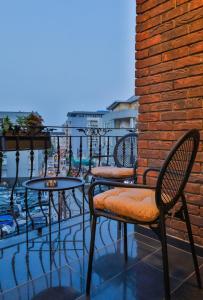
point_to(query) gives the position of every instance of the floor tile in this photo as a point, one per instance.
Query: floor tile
(189, 289)
(180, 262)
(140, 282)
(63, 279)
(109, 261)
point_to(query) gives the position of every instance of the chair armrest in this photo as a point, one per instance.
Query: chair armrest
(111, 184)
(147, 171)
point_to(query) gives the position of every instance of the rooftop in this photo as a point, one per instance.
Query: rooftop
(117, 102)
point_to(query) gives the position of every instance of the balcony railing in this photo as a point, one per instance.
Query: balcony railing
(70, 153)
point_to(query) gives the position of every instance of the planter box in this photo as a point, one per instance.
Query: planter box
(25, 142)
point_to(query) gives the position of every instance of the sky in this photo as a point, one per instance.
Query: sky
(58, 56)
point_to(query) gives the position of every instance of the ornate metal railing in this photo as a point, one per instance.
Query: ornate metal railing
(61, 151)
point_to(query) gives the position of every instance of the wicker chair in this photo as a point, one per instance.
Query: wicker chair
(142, 204)
(125, 158)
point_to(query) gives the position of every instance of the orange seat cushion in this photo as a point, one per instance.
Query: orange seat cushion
(138, 204)
(112, 172)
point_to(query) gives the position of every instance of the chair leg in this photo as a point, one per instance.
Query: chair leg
(165, 258)
(125, 241)
(91, 254)
(192, 246)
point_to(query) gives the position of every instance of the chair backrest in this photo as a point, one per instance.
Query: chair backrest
(125, 151)
(176, 170)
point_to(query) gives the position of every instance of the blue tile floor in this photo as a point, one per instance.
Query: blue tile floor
(29, 275)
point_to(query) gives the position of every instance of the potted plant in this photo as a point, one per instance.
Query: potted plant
(27, 133)
(34, 123)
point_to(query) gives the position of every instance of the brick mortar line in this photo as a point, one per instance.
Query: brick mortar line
(161, 14)
(179, 25)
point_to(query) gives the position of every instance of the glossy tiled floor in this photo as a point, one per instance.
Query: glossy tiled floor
(140, 279)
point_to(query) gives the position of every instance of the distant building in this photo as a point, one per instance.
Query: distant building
(122, 114)
(79, 121)
(9, 169)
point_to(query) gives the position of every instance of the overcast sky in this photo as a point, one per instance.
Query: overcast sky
(62, 55)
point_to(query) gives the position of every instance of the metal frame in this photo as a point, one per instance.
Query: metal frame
(120, 142)
(29, 185)
(164, 207)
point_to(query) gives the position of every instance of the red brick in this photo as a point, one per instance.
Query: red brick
(188, 61)
(143, 63)
(142, 161)
(160, 145)
(193, 188)
(142, 54)
(193, 102)
(179, 2)
(168, 5)
(187, 103)
(172, 95)
(186, 125)
(161, 126)
(195, 4)
(195, 92)
(176, 53)
(149, 23)
(149, 98)
(189, 17)
(142, 72)
(188, 82)
(194, 113)
(176, 12)
(174, 33)
(173, 115)
(155, 88)
(155, 30)
(188, 39)
(148, 42)
(196, 48)
(147, 5)
(155, 107)
(196, 25)
(160, 68)
(149, 117)
(193, 209)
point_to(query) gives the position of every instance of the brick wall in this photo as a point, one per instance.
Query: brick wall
(169, 72)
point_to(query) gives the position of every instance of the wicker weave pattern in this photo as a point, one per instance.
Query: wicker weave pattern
(125, 153)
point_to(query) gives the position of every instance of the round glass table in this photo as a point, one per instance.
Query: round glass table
(53, 185)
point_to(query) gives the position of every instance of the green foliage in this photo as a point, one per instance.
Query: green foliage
(21, 121)
(7, 124)
(33, 123)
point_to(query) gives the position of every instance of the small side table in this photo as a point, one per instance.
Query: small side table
(62, 184)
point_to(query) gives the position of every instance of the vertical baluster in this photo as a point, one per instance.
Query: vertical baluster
(80, 155)
(70, 155)
(90, 153)
(99, 150)
(14, 184)
(108, 150)
(59, 156)
(45, 158)
(31, 157)
(40, 205)
(1, 164)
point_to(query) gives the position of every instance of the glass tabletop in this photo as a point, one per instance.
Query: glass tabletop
(59, 183)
